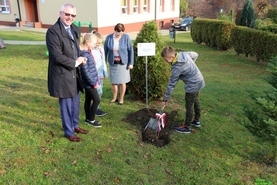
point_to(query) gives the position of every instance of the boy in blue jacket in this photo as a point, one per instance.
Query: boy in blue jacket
(183, 68)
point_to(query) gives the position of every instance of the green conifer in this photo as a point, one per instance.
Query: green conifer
(158, 70)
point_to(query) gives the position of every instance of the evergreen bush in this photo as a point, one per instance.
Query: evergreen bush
(272, 14)
(247, 16)
(263, 117)
(158, 69)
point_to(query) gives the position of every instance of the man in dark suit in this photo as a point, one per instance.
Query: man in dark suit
(64, 79)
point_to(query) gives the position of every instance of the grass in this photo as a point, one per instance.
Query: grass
(222, 151)
(22, 35)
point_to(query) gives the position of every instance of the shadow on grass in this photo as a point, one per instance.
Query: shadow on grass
(27, 104)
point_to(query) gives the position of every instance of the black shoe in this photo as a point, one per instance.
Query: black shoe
(100, 113)
(93, 123)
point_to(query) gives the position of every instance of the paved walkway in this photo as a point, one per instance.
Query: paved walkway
(132, 35)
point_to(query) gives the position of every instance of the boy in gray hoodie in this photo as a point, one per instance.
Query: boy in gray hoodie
(183, 68)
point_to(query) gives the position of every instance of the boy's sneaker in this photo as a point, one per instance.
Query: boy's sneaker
(196, 123)
(100, 113)
(93, 123)
(183, 129)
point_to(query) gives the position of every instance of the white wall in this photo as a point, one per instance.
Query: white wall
(102, 13)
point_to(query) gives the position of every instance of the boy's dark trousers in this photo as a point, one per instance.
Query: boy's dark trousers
(192, 107)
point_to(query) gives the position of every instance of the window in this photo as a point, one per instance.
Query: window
(4, 6)
(124, 6)
(172, 5)
(135, 6)
(161, 5)
(145, 6)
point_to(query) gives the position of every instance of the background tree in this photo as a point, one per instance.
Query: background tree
(183, 7)
(263, 117)
(261, 8)
(247, 16)
(158, 70)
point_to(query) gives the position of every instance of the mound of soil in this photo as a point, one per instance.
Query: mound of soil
(140, 119)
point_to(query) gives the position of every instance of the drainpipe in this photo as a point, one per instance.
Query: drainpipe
(19, 10)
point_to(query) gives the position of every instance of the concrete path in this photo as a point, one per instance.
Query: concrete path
(132, 35)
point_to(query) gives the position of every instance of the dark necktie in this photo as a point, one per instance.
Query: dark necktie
(69, 33)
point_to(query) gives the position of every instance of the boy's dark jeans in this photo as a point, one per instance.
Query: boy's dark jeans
(192, 107)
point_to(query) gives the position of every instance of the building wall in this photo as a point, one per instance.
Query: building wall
(103, 14)
(9, 18)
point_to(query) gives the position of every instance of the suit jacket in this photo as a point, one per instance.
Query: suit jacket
(64, 79)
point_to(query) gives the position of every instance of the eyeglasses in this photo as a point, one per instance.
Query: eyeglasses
(68, 14)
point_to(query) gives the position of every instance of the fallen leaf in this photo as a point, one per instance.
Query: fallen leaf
(47, 151)
(109, 150)
(145, 155)
(46, 174)
(128, 161)
(2, 172)
(52, 134)
(74, 162)
(118, 180)
(169, 172)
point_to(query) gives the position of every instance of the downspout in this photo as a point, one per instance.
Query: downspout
(19, 10)
(155, 11)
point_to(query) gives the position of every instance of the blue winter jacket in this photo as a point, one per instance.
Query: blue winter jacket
(89, 71)
(126, 50)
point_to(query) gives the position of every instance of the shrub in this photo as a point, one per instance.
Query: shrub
(247, 14)
(225, 17)
(270, 28)
(158, 70)
(272, 14)
(253, 42)
(263, 117)
(214, 33)
(259, 23)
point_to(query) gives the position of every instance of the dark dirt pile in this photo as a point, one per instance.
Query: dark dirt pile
(140, 119)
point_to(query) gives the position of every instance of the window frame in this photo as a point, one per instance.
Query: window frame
(124, 7)
(145, 6)
(135, 6)
(5, 7)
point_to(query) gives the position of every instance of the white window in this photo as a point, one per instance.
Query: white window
(161, 5)
(172, 4)
(4, 6)
(124, 6)
(145, 6)
(135, 6)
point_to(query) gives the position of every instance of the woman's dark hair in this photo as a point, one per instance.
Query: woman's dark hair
(119, 27)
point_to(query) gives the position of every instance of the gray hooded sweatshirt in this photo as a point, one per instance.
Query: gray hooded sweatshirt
(186, 70)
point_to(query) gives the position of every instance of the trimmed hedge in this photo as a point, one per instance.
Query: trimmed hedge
(214, 33)
(248, 41)
(272, 14)
(270, 28)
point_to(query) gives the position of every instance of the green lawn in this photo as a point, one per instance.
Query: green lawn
(22, 35)
(34, 151)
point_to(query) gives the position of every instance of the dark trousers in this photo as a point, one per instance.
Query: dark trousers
(92, 100)
(192, 107)
(69, 108)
